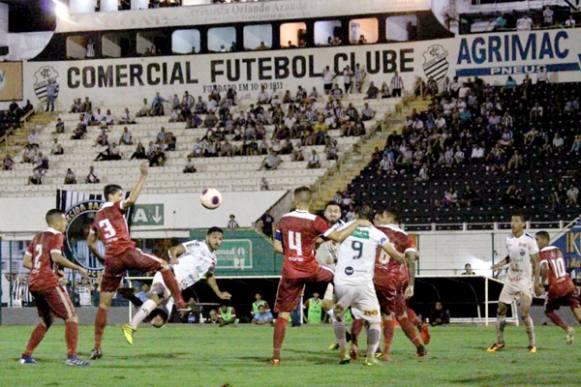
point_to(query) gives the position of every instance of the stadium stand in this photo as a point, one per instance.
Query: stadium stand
(480, 150)
(329, 128)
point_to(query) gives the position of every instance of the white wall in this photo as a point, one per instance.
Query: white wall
(182, 211)
(110, 45)
(3, 23)
(324, 30)
(109, 5)
(139, 4)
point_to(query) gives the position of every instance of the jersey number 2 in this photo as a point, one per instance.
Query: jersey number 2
(107, 227)
(294, 242)
(37, 257)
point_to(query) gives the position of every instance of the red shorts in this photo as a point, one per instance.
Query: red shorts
(131, 259)
(55, 301)
(290, 289)
(564, 295)
(390, 294)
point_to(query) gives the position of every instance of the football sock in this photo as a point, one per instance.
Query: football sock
(340, 331)
(147, 307)
(373, 334)
(410, 330)
(35, 338)
(556, 319)
(170, 281)
(356, 327)
(71, 337)
(500, 324)
(530, 327)
(388, 330)
(413, 317)
(278, 338)
(100, 323)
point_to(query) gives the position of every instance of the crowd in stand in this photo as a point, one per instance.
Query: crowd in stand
(500, 131)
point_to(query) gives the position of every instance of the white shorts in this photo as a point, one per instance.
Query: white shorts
(512, 291)
(361, 298)
(162, 291)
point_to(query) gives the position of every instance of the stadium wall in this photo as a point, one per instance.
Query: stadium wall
(160, 212)
(126, 81)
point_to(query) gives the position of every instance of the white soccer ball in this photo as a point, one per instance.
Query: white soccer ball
(211, 198)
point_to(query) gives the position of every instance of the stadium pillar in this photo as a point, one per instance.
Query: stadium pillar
(10, 273)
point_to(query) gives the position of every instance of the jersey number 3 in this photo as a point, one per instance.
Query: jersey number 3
(107, 227)
(294, 242)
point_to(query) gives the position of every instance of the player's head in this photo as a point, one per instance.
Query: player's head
(386, 216)
(364, 212)
(316, 295)
(518, 222)
(258, 296)
(214, 238)
(113, 193)
(543, 238)
(158, 318)
(302, 197)
(56, 219)
(332, 212)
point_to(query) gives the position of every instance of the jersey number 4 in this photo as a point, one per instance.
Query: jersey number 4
(107, 227)
(294, 242)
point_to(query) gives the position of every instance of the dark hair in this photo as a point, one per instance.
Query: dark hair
(390, 210)
(543, 234)
(111, 189)
(364, 212)
(302, 189)
(521, 215)
(51, 213)
(215, 229)
(332, 203)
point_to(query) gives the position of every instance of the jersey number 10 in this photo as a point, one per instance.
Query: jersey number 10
(558, 266)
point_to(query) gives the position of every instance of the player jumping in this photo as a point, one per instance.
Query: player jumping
(394, 284)
(121, 254)
(523, 272)
(354, 283)
(295, 238)
(191, 262)
(51, 298)
(562, 290)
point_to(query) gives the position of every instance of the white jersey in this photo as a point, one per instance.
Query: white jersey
(327, 252)
(519, 250)
(195, 264)
(356, 255)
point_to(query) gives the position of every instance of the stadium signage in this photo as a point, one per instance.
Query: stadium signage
(80, 217)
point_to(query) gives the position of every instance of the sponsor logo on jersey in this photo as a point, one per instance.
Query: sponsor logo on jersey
(362, 234)
(371, 313)
(349, 270)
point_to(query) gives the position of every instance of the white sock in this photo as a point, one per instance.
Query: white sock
(373, 335)
(147, 307)
(340, 332)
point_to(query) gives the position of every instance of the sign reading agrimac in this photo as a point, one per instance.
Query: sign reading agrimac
(235, 254)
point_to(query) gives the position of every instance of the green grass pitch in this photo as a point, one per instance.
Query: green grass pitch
(181, 355)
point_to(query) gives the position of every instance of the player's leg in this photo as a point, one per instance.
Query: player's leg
(420, 326)
(340, 330)
(506, 298)
(287, 297)
(147, 262)
(526, 301)
(366, 306)
(407, 326)
(356, 327)
(551, 307)
(155, 298)
(105, 299)
(575, 304)
(40, 330)
(388, 332)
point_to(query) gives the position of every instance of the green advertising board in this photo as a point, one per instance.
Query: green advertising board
(244, 253)
(148, 215)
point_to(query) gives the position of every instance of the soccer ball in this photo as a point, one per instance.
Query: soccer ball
(211, 198)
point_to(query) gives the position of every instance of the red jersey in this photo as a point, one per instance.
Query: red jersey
(298, 232)
(552, 259)
(111, 227)
(42, 275)
(384, 266)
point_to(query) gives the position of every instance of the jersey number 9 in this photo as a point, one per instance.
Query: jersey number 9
(357, 248)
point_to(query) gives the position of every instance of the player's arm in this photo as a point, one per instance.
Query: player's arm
(58, 258)
(143, 170)
(390, 249)
(411, 257)
(27, 261)
(536, 274)
(175, 252)
(500, 264)
(340, 235)
(543, 266)
(211, 280)
(277, 244)
(92, 243)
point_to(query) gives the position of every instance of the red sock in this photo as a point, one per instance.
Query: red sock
(410, 330)
(170, 281)
(278, 338)
(71, 337)
(356, 327)
(100, 323)
(35, 338)
(413, 317)
(388, 329)
(556, 319)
